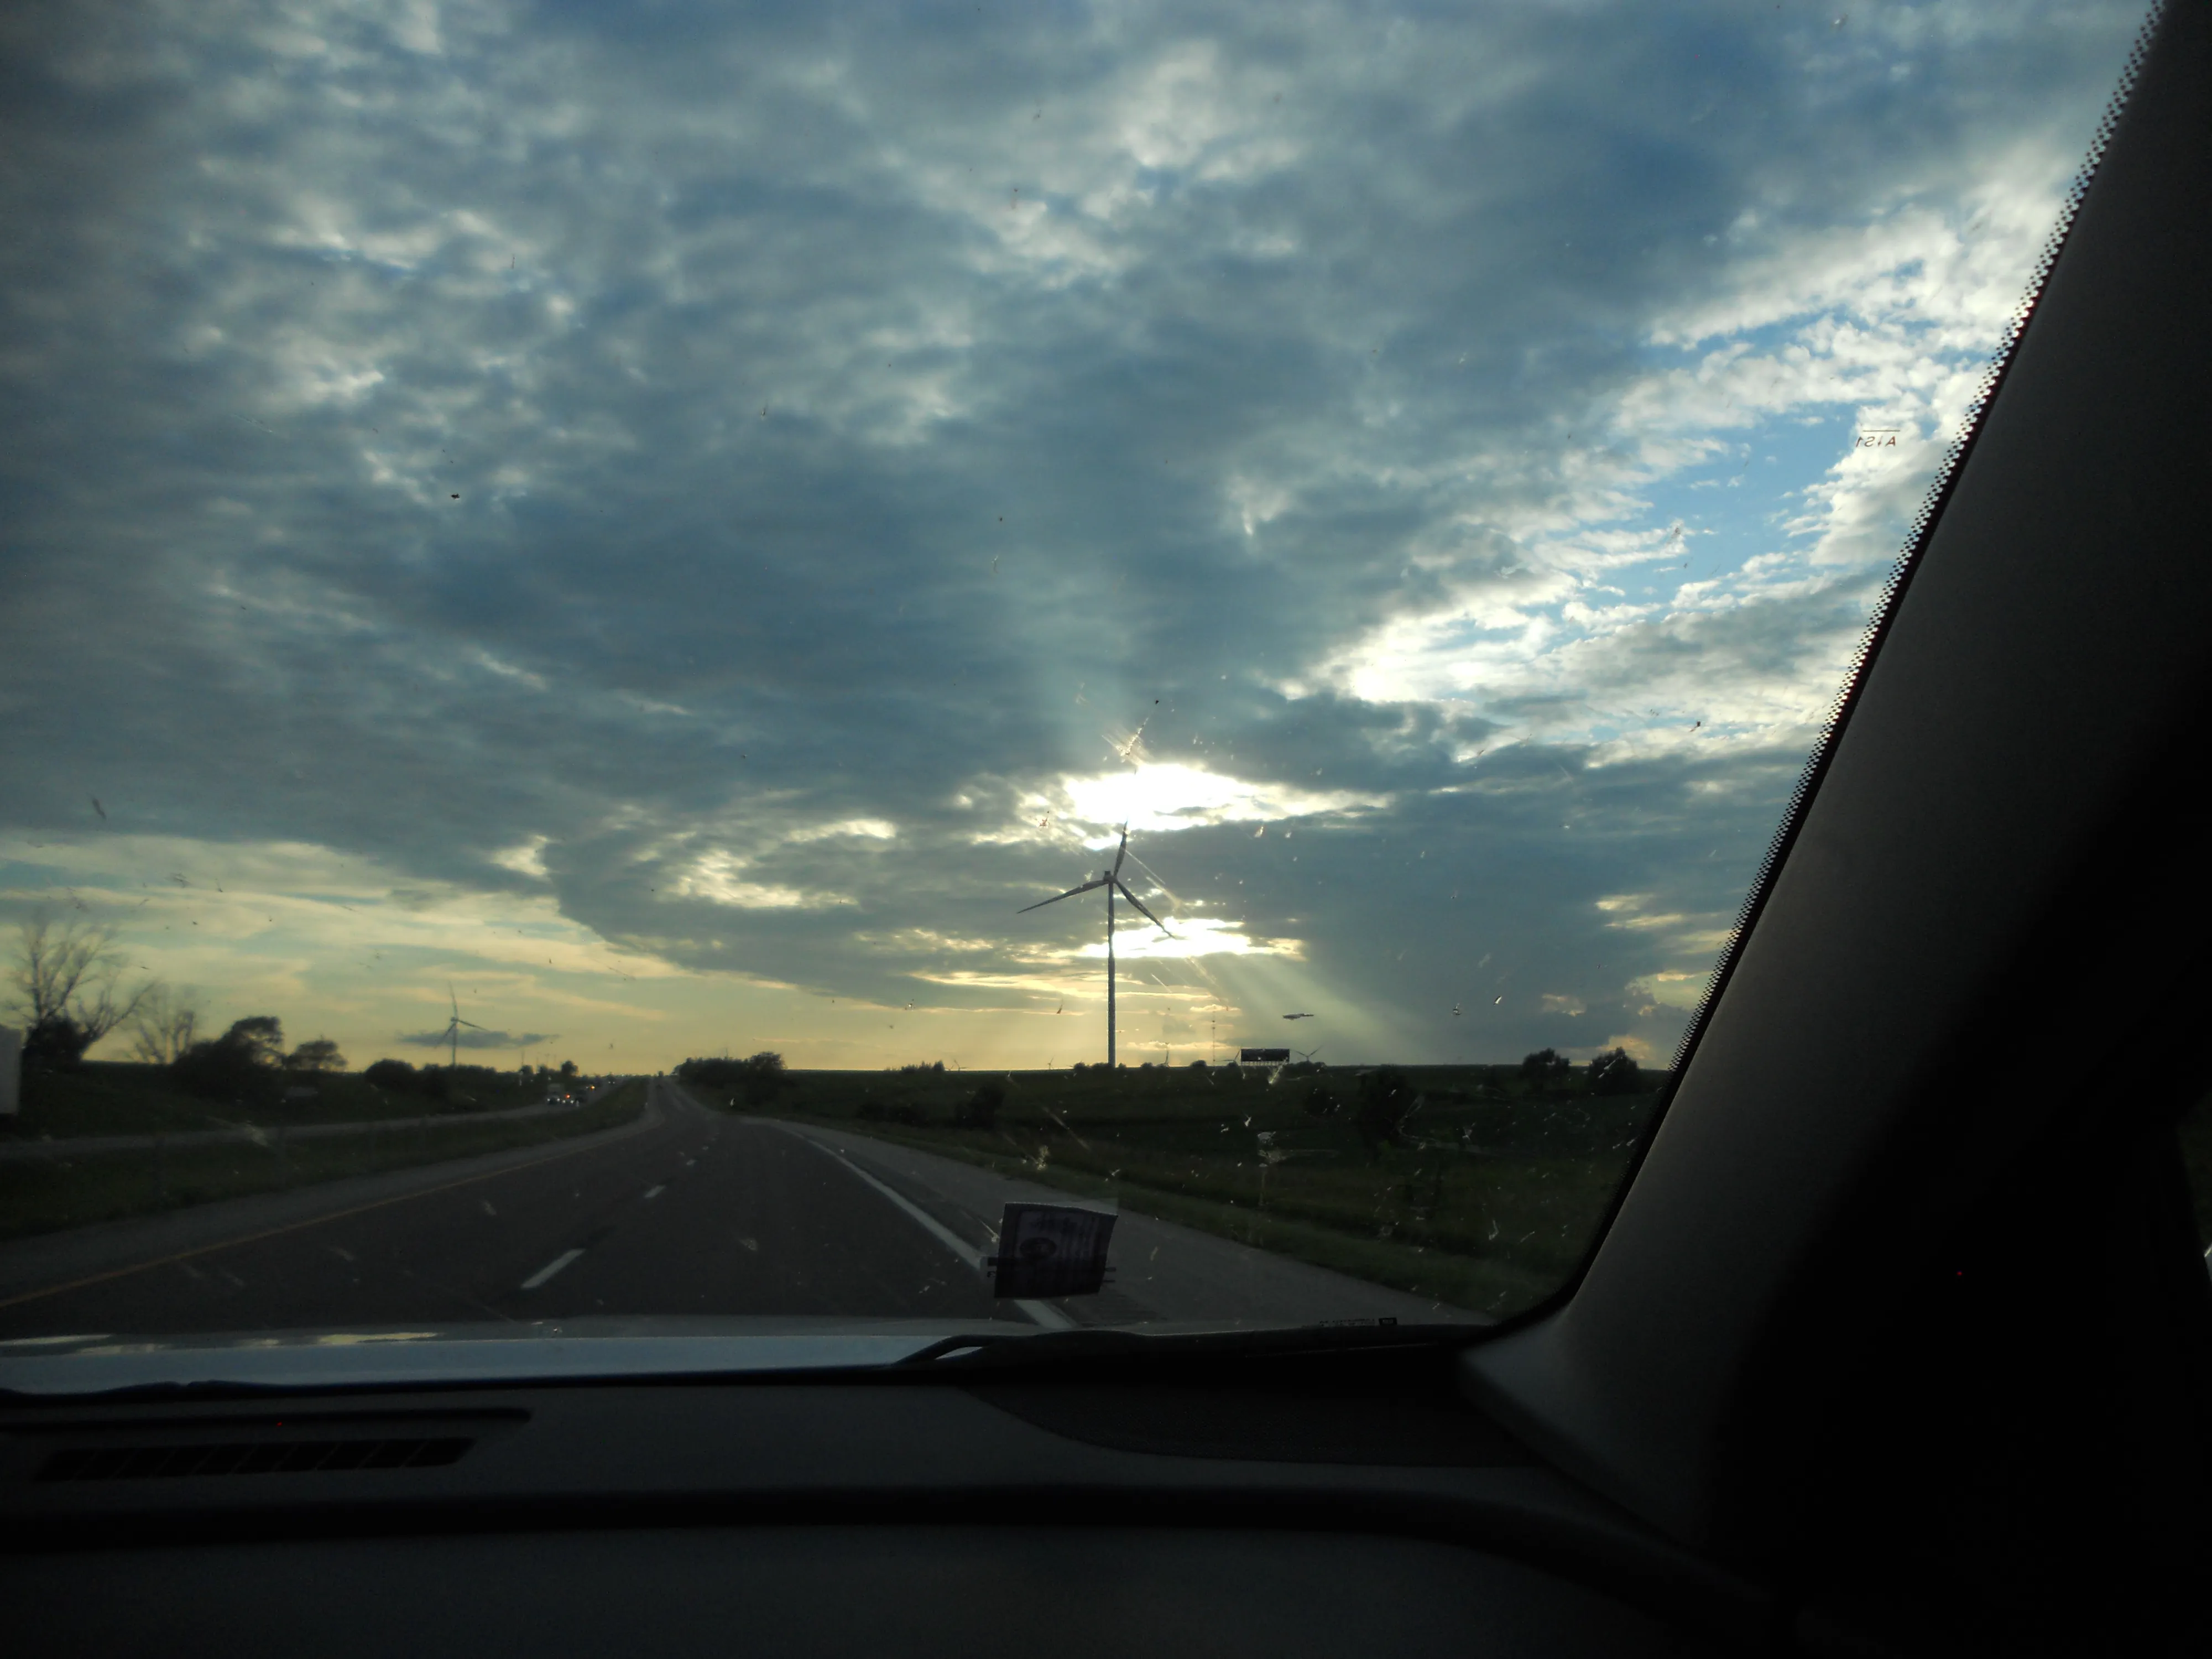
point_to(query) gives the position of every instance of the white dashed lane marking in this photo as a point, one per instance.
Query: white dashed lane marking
(655, 1192)
(549, 1269)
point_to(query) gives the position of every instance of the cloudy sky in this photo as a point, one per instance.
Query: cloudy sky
(678, 520)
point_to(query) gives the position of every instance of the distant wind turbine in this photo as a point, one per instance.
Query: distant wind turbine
(1111, 881)
(454, 1027)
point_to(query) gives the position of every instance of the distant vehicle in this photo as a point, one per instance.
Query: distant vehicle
(1297, 1016)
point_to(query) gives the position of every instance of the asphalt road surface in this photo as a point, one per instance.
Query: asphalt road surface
(686, 1211)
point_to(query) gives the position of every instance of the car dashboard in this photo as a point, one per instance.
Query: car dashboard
(1341, 1504)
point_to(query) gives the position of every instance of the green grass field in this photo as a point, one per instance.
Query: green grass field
(43, 1195)
(1487, 1202)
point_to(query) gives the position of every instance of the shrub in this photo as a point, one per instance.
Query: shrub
(55, 1042)
(1322, 1098)
(981, 1111)
(1386, 1100)
(396, 1075)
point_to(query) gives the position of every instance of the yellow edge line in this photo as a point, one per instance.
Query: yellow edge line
(289, 1227)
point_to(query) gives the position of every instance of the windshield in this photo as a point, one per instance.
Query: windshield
(657, 657)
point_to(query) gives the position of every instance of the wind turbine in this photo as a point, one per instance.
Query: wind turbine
(1111, 881)
(453, 1032)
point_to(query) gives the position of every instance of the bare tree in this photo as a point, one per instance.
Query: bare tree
(164, 1026)
(66, 989)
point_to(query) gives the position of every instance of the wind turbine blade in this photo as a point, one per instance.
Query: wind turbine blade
(1116, 872)
(471, 1024)
(1056, 897)
(1141, 911)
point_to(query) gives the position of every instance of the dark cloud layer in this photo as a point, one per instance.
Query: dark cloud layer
(656, 437)
(476, 1039)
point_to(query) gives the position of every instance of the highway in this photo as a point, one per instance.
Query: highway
(685, 1212)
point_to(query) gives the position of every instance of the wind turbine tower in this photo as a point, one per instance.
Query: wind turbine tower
(453, 1031)
(1111, 881)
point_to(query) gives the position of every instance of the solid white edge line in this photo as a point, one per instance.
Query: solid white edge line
(1039, 1313)
(549, 1269)
(1044, 1314)
(937, 1230)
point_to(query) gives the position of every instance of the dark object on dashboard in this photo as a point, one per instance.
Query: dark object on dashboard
(1049, 1250)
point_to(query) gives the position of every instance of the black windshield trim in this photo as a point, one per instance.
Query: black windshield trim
(1907, 564)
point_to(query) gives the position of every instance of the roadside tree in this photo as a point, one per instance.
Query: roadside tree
(1546, 1067)
(243, 1066)
(1615, 1074)
(320, 1055)
(761, 1076)
(396, 1075)
(67, 990)
(163, 1027)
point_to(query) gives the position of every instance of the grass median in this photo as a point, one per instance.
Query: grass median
(76, 1189)
(112, 1097)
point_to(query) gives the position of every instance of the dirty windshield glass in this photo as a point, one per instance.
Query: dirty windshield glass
(983, 666)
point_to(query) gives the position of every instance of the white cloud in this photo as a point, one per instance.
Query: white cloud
(719, 876)
(1161, 797)
(525, 858)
